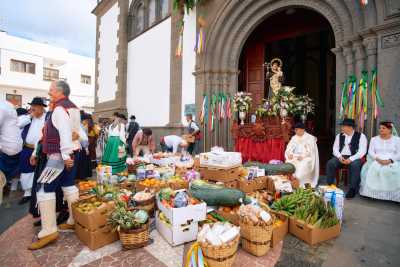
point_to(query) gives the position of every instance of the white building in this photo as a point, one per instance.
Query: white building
(27, 69)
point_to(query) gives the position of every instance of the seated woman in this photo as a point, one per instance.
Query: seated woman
(302, 152)
(380, 176)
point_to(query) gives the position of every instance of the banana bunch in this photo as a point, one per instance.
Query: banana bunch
(289, 203)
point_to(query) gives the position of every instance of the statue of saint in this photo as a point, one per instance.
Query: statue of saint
(275, 76)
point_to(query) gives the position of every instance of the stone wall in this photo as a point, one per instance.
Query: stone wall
(365, 38)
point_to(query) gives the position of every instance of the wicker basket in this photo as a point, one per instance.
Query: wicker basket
(256, 248)
(255, 239)
(135, 238)
(147, 205)
(220, 256)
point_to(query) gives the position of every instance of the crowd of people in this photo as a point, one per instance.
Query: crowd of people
(373, 172)
(50, 150)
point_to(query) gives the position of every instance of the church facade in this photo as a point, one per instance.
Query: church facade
(139, 72)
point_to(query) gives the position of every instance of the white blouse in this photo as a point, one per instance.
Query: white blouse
(385, 149)
(118, 130)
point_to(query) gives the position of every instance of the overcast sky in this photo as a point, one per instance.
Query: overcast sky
(64, 23)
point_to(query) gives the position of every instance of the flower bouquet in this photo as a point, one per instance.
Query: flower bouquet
(304, 106)
(283, 103)
(242, 103)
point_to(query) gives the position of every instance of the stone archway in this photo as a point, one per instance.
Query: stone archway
(236, 20)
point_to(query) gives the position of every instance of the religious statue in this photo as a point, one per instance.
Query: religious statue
(275, 76)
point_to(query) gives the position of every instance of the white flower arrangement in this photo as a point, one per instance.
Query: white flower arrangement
(242, 101)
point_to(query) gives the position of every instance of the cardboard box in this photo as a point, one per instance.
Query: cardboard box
(231, 217)
(97, 238)
(279, 232)
(255, 184)
(311, 234)
(185, 215)
(220, 175)
(94, 219)
(220, 159)
(177, 234)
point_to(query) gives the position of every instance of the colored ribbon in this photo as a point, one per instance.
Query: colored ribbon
(204, 110)
(377, 102)
(194, 256)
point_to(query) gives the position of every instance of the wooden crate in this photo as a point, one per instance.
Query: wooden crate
(220, 175)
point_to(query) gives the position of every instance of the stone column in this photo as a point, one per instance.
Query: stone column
(371, 44)
(341, 76)
(360, 57)
(175, 98)
(349, 59)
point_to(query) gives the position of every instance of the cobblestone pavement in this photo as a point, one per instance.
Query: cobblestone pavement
(370, 237)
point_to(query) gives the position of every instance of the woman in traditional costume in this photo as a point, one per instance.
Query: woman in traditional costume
(114, 153)
(302, 152)
(380, 175)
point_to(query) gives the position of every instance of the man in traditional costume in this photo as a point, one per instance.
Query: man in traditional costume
(349, 148)
(380, 176)
(59, 143)
(193, 130)
(171, 143)
(143, 142)
(31, 135)
(10, 143)
(115, 153)
(133, 128)
(302, 152)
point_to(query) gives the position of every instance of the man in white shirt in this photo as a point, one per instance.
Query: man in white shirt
(31, 134)
(171, 143)
(193, 130)
(10, 141)
(60, 142)
(349, 148)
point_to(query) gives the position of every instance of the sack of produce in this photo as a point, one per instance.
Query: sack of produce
(219, 243)
(256, 227)
(335, 196)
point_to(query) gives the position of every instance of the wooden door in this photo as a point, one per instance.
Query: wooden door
(254, 56)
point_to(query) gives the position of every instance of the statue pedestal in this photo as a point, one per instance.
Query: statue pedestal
(264, 140)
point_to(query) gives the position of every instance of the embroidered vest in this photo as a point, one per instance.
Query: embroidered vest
(354, 143)
(24, 132)
(51, 136)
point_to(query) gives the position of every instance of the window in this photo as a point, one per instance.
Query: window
(16, 100)
(50, 74)
(86, 79)
(140, 19)
(152, 12)
(144, 14)
(164, 6)
(22, 66)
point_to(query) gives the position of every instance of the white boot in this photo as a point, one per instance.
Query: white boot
(71, 194)
(47, 208)
(26, 183)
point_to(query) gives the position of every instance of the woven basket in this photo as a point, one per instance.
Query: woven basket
(255, 239)
(220, 256)
(256, 248)
(135, 238)
(147, 205)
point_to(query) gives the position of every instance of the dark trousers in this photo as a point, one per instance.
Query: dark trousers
(165, 148)
(193, 148)
(354, 172)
